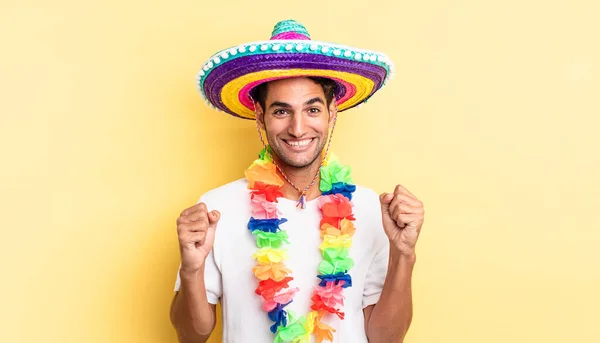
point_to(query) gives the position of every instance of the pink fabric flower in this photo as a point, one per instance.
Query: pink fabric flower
(283, 297)
(263, 209)
(325, 199)
(331, 294)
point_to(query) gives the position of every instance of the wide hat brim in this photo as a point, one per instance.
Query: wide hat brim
(227, 78)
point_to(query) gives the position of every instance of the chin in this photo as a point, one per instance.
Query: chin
(298, 160)
(301, 163)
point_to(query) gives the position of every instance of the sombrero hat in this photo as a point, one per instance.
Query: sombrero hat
(227, 78)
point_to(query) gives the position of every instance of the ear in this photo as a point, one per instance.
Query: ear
(260, 115)
(332, 111)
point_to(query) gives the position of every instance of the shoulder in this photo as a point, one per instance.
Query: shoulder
(367, 209)
(365, 199)
(365, 193)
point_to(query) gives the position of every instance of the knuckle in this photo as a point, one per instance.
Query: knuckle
(197, 228)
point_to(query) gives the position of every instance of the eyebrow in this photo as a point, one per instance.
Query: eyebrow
(280, 104)
(286, 105)
(315, 100)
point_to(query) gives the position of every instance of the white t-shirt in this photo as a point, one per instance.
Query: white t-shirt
(229, 277)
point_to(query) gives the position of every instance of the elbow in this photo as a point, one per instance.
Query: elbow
(191, 336)
(382, 337)
(387, 333)
(191, 332)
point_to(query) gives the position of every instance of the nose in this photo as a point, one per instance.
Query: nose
(298, 125)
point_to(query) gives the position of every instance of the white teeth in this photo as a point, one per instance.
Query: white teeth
(300, 143)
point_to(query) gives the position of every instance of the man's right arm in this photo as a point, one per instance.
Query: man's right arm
(192, 315)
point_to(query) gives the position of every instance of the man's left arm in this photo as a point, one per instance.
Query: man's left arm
(389, 319)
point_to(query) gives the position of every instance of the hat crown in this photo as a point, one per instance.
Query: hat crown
(289, 29)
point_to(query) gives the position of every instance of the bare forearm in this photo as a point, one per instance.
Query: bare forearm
(191, 314)
(391, 317)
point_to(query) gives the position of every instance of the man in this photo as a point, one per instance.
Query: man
(294, 251)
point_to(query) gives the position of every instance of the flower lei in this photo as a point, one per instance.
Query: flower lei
(274, 277)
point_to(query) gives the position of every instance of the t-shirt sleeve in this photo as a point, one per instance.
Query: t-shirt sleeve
(376, 277)
(378, 268)
(212, 276)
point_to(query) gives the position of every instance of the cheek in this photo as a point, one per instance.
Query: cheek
(320, 125)
(274, 127)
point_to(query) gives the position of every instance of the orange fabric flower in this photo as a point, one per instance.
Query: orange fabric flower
(322, 331)
(346, 228)
(263, 172)
(275, 271)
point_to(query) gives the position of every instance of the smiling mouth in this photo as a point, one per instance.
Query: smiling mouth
(301, 143)
(298, 144)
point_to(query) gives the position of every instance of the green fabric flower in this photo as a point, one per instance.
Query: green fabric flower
(334, 172)
(264, 155)
(292, 331)
(270, 239)
(335, 260)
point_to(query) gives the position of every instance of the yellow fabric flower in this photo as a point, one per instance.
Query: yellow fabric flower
(329, 241)
(270, 255)
(309, 325)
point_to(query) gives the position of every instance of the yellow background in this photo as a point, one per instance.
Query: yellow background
(492, 120)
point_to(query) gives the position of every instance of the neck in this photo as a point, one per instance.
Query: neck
(301, 177)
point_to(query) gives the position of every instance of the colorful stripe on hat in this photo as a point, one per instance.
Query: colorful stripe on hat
(226, 80)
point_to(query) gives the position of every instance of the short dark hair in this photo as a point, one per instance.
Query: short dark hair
(259, 93)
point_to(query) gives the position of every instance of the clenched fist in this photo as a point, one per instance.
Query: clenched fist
(196, 232)
(403, 217)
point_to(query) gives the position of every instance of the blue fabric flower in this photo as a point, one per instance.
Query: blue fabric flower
(266, 225)
(279, 316)
(337, 278)
(342, 188)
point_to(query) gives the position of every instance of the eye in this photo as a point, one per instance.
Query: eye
(314, 110)
(280, 112)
